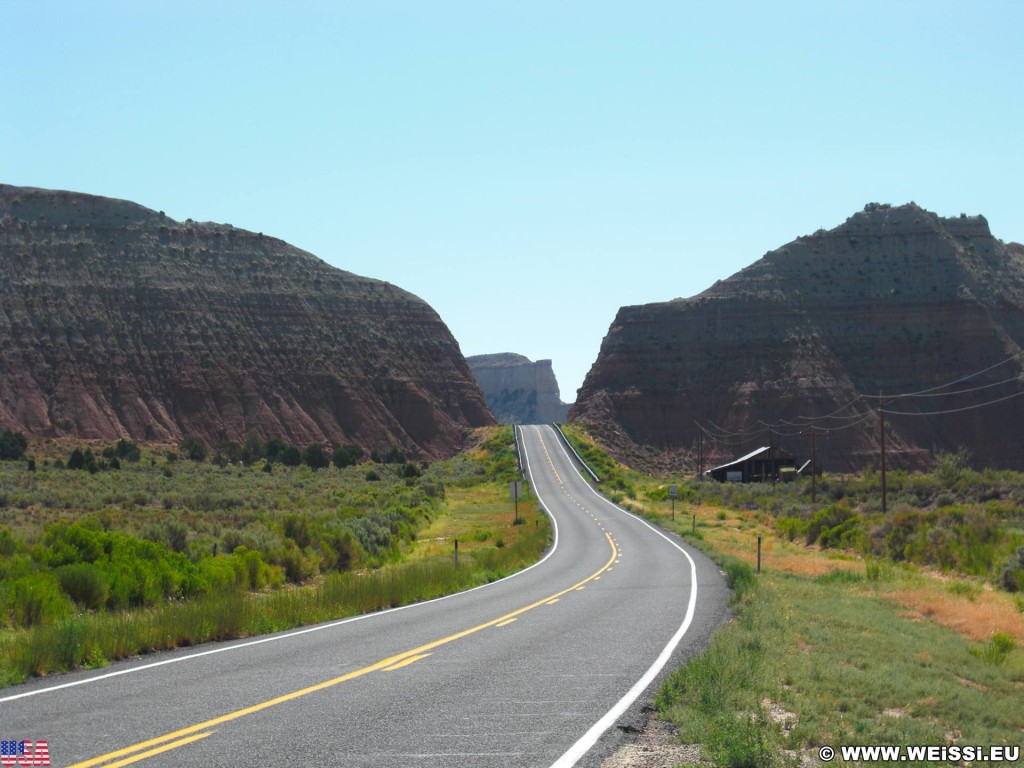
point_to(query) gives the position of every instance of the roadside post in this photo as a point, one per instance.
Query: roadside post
(673, 492)
(515, 490)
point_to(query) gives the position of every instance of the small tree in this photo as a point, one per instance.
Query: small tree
(12, 445)
(347, 456)
(193, 447)
(291, 457)
(274, 449)
(128, 450)
(76, 460)
(315, 457)
(394, 456)
(252, 450)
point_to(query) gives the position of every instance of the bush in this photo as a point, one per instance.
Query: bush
(135, 572)
(347, 456)
(739, 576)
(8, 544)
(834, 516)
(80, 459)
(950, 467)
(315, 457)
(84, 583)
(1011, 576)
(13, 445)
(128, 450)
(291, 457)
(193, 448)
(37, 599)
(274, 449)
(996, 650)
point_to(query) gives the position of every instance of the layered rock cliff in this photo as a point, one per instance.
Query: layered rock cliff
(117, 321)
(517, 389)
(896, 300)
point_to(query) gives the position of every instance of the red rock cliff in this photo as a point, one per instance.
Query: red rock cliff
(117, 321)
(895, 300)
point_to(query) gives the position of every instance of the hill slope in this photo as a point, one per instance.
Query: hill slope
(895, 300)
(117, 321)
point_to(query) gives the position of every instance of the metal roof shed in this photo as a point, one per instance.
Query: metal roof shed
(757, 466)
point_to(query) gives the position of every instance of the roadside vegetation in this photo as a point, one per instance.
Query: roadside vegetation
(860, 629)
(159, 548)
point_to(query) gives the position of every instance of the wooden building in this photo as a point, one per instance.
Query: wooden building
(762, 465)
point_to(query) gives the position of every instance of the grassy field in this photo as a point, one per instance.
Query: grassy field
(831, 646)
(262, 551)
(842, 638)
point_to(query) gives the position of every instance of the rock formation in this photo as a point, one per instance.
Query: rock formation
(518, 390)
(117, 321)
(896, 300)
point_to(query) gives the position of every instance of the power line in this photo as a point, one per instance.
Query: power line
(953, 410)
(948, 384)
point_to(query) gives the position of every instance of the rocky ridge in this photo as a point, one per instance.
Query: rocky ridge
(895, 300)
(517, 389)
(118, 321)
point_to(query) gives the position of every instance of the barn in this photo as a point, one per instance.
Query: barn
(764, 464)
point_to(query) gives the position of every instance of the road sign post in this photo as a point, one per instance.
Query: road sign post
(673, 492)
(515, 490)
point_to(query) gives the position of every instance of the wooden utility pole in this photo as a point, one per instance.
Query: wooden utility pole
(881, 413)
(814, 466)
(700, 453)
(814, 463)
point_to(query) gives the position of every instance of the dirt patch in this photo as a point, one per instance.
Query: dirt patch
(655, 747)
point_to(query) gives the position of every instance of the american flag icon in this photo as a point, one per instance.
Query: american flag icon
(24, 753)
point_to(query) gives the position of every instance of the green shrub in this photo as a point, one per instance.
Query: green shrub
(790, 528)
(824, 520)
(995, 651)
(13, 445)
(951, 467)
(274, 448)
(845, 535)
(1011, 575)
(8, 545)
(739, 576)
(315, 457)
(37, 599)
(193, 448)
(347, 456)
(84, 583)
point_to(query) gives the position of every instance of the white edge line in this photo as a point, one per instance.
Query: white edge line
(589, 739)
(296, 633)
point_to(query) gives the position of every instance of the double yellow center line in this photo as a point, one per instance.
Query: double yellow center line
(184, 736)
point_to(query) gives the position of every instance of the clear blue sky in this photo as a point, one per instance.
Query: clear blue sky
(525, 167)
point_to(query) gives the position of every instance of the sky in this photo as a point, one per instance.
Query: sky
(525, 167)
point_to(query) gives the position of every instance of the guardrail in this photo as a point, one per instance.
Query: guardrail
(579, 458)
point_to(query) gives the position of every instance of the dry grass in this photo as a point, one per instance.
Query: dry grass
(975, 616)
(976, 619)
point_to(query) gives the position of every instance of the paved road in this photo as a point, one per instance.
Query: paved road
(547, 668)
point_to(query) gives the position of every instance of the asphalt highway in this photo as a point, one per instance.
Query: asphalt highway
(551, 667)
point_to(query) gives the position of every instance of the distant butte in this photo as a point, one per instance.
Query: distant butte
(895, 300)
(117, 321)
(517, 389)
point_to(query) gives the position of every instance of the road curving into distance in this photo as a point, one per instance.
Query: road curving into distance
(548, 668)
